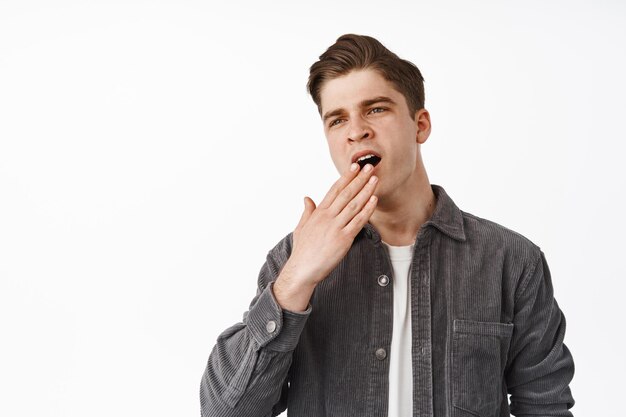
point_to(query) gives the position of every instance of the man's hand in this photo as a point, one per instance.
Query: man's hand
(324, 235)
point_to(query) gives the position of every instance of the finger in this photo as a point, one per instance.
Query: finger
(358, 221)
(347, 194)
(355, 205)
(309, 207)
(339, 185)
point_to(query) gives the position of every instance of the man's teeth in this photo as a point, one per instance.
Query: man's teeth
(365, 157)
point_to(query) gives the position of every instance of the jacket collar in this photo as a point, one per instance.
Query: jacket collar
(447, 217)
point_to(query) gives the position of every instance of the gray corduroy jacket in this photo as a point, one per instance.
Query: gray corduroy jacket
(484, 323)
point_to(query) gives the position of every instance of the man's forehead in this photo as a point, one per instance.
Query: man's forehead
(359, 83)
(356, 89)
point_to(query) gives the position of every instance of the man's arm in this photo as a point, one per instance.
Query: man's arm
(246, 374)
(540, 366)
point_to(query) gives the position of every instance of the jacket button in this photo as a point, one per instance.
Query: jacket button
(381, 354)
(383, 280)
(270, 326)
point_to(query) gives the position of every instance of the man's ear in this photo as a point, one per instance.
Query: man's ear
(422, 121)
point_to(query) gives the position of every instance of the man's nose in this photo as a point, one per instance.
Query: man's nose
(359, 129)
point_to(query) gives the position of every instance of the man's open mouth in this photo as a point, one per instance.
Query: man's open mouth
(368, 159)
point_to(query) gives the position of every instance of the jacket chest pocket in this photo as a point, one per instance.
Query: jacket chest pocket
(479, 353)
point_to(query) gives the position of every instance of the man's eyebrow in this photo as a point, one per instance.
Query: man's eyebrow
(364, 103)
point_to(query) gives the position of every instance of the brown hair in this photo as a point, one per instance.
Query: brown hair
(357, 52)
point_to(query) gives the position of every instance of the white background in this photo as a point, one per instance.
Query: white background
(152, 152)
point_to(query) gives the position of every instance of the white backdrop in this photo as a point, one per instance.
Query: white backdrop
(152, 152)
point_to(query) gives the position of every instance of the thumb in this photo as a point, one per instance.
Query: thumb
(309, 206)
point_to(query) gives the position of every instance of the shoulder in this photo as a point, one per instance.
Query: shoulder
(495, 237)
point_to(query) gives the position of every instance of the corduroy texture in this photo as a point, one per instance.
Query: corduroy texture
(484, 323)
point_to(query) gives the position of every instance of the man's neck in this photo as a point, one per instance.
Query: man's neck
(398, 220)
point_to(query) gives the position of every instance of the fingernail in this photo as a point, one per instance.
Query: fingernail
(368, 168)
(353, 167)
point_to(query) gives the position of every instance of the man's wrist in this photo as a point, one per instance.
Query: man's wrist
(292, 294)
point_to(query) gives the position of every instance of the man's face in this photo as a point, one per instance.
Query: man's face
(363, 112)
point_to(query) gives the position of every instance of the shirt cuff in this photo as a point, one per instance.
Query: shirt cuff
(273, 327)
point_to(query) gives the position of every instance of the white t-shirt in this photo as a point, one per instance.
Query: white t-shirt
(400, 359)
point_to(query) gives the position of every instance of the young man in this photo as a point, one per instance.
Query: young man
(387, 299)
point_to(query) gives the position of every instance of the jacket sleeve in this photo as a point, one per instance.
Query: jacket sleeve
(539, 367)
(247, 371)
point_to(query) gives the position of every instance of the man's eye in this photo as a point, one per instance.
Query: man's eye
(377, 108)
(334, 122)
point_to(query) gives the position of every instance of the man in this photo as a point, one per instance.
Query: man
(387, 299)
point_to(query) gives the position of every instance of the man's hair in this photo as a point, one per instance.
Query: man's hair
(359, 52)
